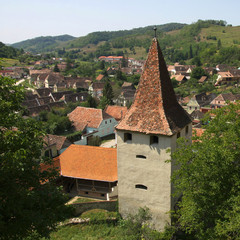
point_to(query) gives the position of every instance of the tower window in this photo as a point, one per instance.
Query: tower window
(127, 137)
(186, 130)
(178, 135)
(141, 156)
(140, 186)
(153, 140)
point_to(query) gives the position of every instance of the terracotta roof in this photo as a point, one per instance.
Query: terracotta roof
(198, 131)
(87, 162)
(43, 92)
(91, 117)
(55, 164)
(178, 77)
(155, 108)
(60, 141)
(99, 77)
(117, 112)
(202, 79)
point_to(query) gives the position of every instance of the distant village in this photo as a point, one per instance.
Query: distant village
(95, 168)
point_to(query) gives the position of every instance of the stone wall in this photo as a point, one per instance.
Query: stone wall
(106, 205)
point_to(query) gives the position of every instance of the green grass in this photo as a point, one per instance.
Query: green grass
(98, 231)
(84, 200)
(98, 228)
(226, 34)
(7, 62)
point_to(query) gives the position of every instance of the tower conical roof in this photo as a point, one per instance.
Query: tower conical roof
(155, 109)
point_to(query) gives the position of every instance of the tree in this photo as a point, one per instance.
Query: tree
(208, 179)
(108, 92)
(190, 52)
(219, 44)
(56, 69)
(198, 72)
(30, 202)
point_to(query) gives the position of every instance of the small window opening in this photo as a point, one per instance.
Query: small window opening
(178, 135)
(140, 186)
(102, 195)
(141, 156)
(153, 140)
(186, 130)
(105, 122)
(86, 192)
(127, 137)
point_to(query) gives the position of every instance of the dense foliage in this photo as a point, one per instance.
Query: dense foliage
(42, 44)
(9, 52)
(208, 180)
(30, 202)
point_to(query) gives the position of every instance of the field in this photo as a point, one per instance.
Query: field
(7, 62)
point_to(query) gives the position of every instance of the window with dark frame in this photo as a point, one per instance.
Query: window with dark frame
(178, 135)
(141, 156)
(153, 140)
(140, 186)
(127, 137)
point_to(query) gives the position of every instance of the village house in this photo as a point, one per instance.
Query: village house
(111, 59)
(55, 145)
(125, 98)
(146, 136)
(203, 79)
(90, 171)
(118, 112)
(100, 77)
(179, 78)
(96, 89)
(91, 122)
(224, 78)
(222, 100)
(198, 101)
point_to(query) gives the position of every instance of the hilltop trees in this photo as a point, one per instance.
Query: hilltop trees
(30, 203)
(208, 180)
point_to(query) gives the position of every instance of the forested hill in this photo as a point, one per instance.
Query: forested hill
(9, 52)
(207, 42)
(43, 44)
(47, 44)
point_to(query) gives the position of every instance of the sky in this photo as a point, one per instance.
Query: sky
(26, 19)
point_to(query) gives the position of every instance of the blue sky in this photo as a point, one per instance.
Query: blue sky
(25, 19)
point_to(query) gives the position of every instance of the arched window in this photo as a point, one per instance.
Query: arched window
(141, 156)
(140, 186)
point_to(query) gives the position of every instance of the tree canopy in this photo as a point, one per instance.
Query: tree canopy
(30, 202)
(208, 180)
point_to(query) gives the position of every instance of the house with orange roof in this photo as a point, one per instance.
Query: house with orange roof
(222, 100)
(118, 112)
(92, 122)
(99, 77)
(90, 171)
(179, 78)
(224, 78)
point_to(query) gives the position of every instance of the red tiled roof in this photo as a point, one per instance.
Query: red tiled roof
(99, 77)
(91, 117)
(54, 164)
(60, 141)
(155, 108)
(198, 131)
(117, 112)
(87, 162)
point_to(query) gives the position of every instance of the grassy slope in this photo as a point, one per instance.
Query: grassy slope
(226, 34)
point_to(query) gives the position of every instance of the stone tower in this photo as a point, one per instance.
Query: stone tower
(150, 128)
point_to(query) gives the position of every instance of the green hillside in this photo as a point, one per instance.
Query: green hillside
(208, 42)
(42, 44)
